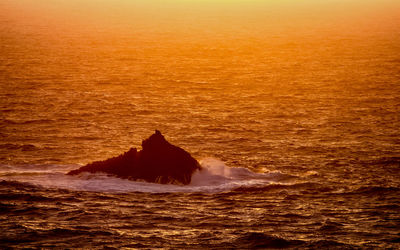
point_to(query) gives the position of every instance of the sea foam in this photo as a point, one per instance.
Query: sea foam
(215, 176)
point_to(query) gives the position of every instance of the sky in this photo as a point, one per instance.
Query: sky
(216, 14)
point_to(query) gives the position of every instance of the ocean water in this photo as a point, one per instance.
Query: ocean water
(293, 112)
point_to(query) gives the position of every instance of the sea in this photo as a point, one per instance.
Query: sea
(292, 109)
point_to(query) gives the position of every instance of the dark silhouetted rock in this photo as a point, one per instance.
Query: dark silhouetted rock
(159, 161)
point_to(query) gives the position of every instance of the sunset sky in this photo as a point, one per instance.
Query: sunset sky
(291, 108)
(228, 16)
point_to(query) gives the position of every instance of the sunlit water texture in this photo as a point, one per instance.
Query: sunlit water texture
(292, 107)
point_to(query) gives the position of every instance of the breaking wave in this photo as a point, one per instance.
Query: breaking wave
(215, 176)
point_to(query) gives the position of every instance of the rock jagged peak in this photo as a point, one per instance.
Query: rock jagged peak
(154, 141)
(159, 161)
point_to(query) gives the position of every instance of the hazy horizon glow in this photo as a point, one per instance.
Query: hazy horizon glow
(305, 92)
(222, 14)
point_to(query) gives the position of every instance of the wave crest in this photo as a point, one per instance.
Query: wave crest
(215, 176)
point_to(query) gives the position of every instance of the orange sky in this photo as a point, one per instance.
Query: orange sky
(217, 15)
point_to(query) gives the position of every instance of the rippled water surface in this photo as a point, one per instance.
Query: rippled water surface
(294, 116)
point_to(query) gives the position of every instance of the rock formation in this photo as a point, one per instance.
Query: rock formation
(158, 161)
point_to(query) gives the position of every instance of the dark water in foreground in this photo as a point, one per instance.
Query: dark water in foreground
(302, 115)
(222, 208)
(289, 212)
